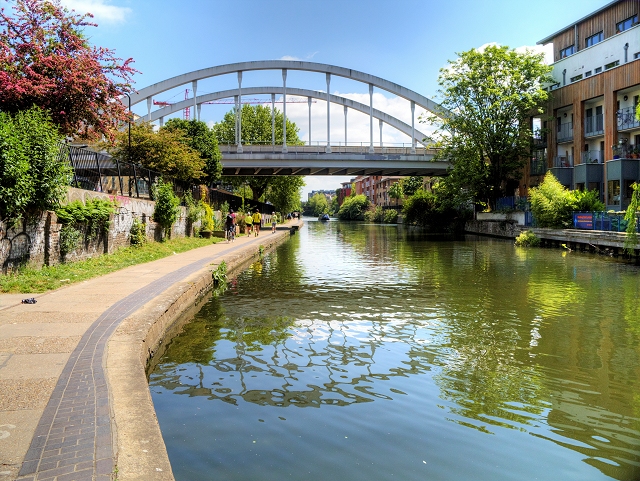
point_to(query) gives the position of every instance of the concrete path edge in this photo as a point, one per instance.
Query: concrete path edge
(139, 448)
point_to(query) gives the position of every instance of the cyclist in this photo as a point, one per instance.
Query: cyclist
(230, 225)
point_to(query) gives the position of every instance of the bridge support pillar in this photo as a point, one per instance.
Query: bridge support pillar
(284, 111)
(371, 149)
(380, 120)
(345, 125)
(328, 149)
(239, 112)
(149, 103)
(309, 102)
(194, 86)
(273, 121)
(413, 127)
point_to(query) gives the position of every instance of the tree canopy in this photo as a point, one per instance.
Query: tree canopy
(256, 129)
(491, 95)
(166, 151)
(45, 60)
(203, 140)
(318, 204)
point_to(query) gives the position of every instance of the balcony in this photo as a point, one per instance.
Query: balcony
(594, 126)
(565, 133)
(627, 119)
(592, 157)
(563, 161)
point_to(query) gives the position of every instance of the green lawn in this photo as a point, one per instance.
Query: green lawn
(28, 280)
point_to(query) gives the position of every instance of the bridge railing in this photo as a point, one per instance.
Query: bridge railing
(320, 148)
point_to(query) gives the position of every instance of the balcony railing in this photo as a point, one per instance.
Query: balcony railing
(627, 119)
(594, 125)
(624, 151)
(538, 167)
(565, 133)
(563, 161)
(592, 157)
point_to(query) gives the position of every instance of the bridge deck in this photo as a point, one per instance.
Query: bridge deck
(343, 160)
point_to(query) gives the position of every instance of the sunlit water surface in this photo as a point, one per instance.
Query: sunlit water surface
(361, 352)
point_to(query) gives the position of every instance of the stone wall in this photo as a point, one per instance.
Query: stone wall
(508, 229)
(37, 242)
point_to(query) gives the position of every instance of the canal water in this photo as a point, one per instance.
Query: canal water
(366, 352)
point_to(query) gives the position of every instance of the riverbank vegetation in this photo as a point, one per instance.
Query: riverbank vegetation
(29, 280)
(553, 205)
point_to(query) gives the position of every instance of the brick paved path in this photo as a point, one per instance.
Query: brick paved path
(73, 440)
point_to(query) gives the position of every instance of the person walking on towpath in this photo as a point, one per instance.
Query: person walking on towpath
(230, 226)
(248, 220)
(257, 220)
(274, 222)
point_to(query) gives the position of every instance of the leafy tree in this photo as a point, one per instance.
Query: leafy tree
(396, 191)
(165, 212)
(256, 129)
(353, 207)
(165, 151)
(32, 179)
(284, 193)
(203, 140)
(410, 185)
(318, 204)
(45, 60)
(486, 138)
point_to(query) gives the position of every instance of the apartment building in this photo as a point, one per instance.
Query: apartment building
(589, 136)
(382, 192)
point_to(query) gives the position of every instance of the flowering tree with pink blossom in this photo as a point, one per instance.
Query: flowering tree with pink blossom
(45, 60)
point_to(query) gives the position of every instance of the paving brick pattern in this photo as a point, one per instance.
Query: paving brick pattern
(73, 440)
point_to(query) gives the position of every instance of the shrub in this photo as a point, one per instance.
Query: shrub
(353, 208)
(587, 201)
(390, 217)
(527, 239)
(166, 209)
(374, 214)
(32, 178)
(552, 204)
(137, 233)
(207, 217)
(69, 238)
(420, 208)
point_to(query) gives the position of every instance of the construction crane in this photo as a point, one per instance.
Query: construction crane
(186, 113)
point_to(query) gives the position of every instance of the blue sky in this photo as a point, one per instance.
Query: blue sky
(404, 41)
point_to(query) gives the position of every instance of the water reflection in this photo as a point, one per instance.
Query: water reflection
(532, 351)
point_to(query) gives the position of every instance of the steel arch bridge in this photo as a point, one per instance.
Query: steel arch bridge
(307, 160)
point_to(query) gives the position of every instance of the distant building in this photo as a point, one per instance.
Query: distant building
(382, 192)
(344, 191)
(329, 194)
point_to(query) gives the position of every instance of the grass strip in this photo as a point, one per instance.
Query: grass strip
(29, 280)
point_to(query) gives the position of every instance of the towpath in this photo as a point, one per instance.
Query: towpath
(63, 415)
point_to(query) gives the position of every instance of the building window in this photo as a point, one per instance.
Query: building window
(598, 70)
(598, 37)
(612, 64)
(565, 52)
(613, 192)
(587, 74)
(576, 78)
(626, 24)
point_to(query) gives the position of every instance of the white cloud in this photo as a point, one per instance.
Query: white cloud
(289, 57)
(101, 10)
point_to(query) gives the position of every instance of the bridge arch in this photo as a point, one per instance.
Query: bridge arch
(372, 81)
(397, 124)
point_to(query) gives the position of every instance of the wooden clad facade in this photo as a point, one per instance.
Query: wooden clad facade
(592, 136)
(604, 21)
